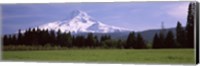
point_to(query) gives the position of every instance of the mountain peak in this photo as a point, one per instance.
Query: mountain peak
(80, 16)
(80, 21)
(79, 13)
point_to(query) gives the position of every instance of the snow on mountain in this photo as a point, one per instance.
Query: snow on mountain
(81, 22)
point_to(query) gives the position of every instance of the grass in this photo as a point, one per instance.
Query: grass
(158, 56)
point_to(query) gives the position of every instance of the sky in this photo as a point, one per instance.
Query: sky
(138, 16)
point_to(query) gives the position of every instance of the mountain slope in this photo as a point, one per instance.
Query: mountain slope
(81, 22)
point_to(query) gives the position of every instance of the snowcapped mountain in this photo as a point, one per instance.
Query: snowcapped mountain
(81, 22)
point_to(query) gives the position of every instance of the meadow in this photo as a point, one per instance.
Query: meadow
(158, 56)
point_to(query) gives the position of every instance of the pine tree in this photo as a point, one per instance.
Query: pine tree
(34, 37)
(90, 40)
(74, 41)
(52, 38)
(5, 40)
(103, 39)
(27, 37)
(180, 35)
(96, 41)
(156, 42)
(161, 40)
(59, 38)
(20, 38)
(64, 40)
(14, 40)
(169, 40)
(9, 40)
(190, 25)
(140, 42)
(80, 41)
(69, 40)
(131, 41)
(42, 37)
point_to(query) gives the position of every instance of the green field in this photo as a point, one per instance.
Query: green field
(158, 56)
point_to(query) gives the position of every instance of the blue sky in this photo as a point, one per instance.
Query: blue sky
(138, 16)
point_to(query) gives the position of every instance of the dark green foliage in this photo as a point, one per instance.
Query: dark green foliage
(90, 41)
(180, 36)
(20, 38)
(49, 38)
(120, 44)
(135, 42)
(13, 40)
(46, 38)
(59, 38)
(64, 39)
(9, 40)
(169, 40)
(131, 41)
(79, 41)
(161, 40)
(164, 42)
(52, 38)
(96, 41)
(103, 39)
(140, 43)
(156, 42)
(190, 25)
(5, 40)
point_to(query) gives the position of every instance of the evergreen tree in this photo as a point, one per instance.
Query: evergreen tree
(34, 37)
(74, 41)
(140, 42)
(52, 38)
(14, 40)
(42, 37)
(69, 40)
(80, 41)
(103, 39)
(156, 42)
(161, 40)
(131, 41)
(190, 25)
(180, 35)
(5, 40)
(64, 40)
(110, 43)
(96, 41)
(169, 40)
(59, 38)
(90, 40)
(10, 42)
(20, 38)
(27, 37)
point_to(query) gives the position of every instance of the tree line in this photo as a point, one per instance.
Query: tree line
(38, 37)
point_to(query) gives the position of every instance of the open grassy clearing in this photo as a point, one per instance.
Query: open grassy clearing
(163, 56)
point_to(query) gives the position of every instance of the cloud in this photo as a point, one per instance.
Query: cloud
(178, 11)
